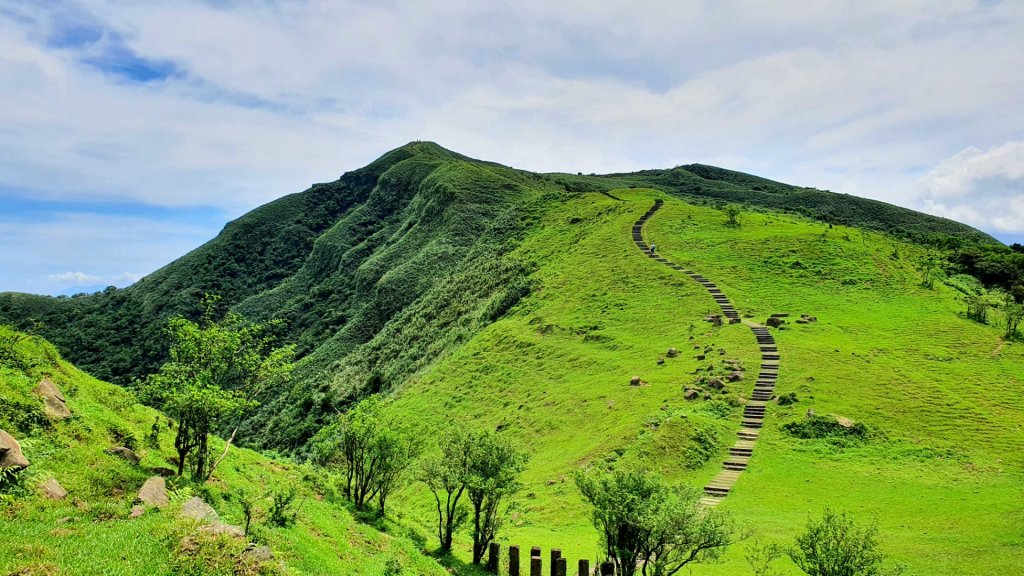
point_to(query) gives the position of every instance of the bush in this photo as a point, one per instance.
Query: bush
(788, 398)
(283, 510)
(816, 427)
(124, 436)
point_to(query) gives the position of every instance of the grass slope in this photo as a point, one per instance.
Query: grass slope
(382, 272)
(941, 394)
(90, 532)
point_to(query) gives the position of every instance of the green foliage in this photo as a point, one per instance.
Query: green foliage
(283, 509)
(371, 449)
(1013, 314)
(732, 213)
(124, 436)
(482, 465)
(977, 307)
(828, 427)
(491, 476)
(652, 526)
(787, 399)
(836, 546)
(215, 372)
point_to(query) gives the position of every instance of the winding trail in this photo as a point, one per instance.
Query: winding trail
(753, 412)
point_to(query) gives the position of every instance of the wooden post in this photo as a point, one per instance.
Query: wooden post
(535, 566)
(607, 569)
(492, 557)
(584, 568)
(513, 561)
(555, 555)
(560, 567)
(535, 552)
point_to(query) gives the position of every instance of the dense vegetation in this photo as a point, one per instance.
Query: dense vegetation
(294, 510)
(377, 275)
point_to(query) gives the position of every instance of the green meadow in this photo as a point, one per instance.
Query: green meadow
(940, 394)
(940, 469)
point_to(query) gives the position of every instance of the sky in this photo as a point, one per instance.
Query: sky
(131, 132)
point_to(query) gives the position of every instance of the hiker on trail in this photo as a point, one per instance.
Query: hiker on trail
(652, 248)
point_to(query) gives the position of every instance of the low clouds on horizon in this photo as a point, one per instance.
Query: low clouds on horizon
(224, 105)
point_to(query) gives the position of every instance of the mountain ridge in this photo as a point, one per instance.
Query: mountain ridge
(375, 253)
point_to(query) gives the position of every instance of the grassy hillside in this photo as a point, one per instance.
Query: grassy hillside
(940, 395)
(91, 532)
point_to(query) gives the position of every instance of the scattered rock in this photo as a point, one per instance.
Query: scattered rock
(812, 318)
(672, 353)
(125, 453)
(660, 361)
(781, 315)
(716, 383)
(635, 381)
(54, 404)
(844, 421)
(10, 453)
(258, 554)
(154, 492)
(196, 509)
(163, 471)
(801, 321)
(551, 482)
(810, 412)
(774, 322)
(52, 490)
(734, 376)
(220, 528)
(137, 511)
(721, 351)
(734, 320)
(699, 356)
(691, 394)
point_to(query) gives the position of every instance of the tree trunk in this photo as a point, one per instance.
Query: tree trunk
(224, 455)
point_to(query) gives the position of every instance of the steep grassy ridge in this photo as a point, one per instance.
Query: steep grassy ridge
(940, 394)
(383, 272)
(90, 533)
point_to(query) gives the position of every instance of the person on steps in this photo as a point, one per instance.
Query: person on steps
(652, 249)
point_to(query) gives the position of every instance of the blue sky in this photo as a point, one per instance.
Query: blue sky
(132, 132)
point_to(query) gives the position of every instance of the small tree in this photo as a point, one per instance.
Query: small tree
(215, 372)
(492, 475)
(732, 213)
(836, 546)
(481, 465)
(977, 307)
(1013, 314)
(371, 449)
(444, 474)
(649, 524)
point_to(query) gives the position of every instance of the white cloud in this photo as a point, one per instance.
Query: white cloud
(74, 278)
(858, 97)
(984, 188)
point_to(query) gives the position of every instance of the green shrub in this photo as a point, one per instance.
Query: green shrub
(283, 510)
(788, 398)
(816, 427)
(124, 436)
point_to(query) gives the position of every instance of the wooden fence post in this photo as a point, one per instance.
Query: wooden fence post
(492, 557)
(555, 555)
(513, 561)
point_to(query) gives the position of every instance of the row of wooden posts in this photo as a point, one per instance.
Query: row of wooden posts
(558, 565)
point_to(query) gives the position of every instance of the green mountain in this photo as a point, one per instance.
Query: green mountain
(481, 295)
(383, 271)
